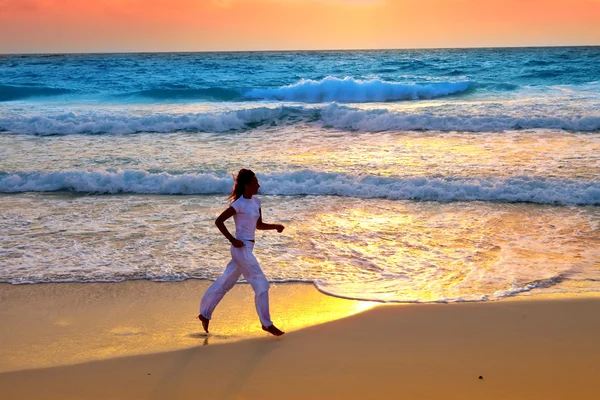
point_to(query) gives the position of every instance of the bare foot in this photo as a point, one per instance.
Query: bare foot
(204, 321)
(273, 330)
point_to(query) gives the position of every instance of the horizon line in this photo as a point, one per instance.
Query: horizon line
(301, 50)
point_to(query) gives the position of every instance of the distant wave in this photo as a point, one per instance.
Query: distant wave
(10, 92)
(329, 89)
(210, 94)
(350, 90)
(455, 72)
(330, 116)
(548, 73)
(406, 63)
(308, 182)
(499, 86)
(535, 63)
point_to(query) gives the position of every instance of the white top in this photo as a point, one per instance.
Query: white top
(245, 217)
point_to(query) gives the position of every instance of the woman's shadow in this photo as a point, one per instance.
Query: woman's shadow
(168, 386)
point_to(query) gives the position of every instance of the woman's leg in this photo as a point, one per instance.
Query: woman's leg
(250, 268)
(217, 290)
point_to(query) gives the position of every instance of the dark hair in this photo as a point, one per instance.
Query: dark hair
(243, 178)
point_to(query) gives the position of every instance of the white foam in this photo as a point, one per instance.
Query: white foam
(103, 122)
(307, 182)
(383, 120)
(355, 91)
(122, 181)
(332, 116)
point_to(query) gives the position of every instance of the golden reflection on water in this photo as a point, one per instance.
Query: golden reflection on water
(426, 251)
(449, 154)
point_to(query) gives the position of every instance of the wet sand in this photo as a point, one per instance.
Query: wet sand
(137, 340)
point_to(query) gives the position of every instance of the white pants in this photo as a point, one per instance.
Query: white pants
(244, 263)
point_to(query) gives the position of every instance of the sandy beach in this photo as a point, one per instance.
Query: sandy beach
(139, 340)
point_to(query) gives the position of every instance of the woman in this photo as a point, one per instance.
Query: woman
(247, 214)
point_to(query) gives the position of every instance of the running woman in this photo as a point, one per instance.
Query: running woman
(247, 214)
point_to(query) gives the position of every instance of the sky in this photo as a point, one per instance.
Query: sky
(82, 26)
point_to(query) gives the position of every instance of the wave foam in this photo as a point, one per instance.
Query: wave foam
(307, 182)
(347, 118)
(99, 123)
(330, 116)
(350, 90)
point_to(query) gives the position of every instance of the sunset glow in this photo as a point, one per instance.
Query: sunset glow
(190, 25)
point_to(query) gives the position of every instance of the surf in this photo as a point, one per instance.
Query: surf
(527, 189)
(331, 116)
(350, 90)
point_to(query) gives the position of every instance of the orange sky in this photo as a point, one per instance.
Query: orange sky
(196, 25)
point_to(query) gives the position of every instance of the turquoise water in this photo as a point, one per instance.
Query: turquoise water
(416, 175)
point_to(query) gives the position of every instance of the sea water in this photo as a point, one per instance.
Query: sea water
(401, 176)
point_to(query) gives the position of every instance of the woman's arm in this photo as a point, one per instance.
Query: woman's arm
(260, 225)
(220, 223)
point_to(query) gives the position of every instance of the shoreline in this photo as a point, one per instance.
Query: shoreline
(524, 348)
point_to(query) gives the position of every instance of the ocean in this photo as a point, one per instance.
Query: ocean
(443, 175)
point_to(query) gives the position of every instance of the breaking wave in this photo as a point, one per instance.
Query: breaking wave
(329, 89)
(330, 116)
(383, 120)
(307, 182)
(11, 92)
(350, 90)
(100, 123)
